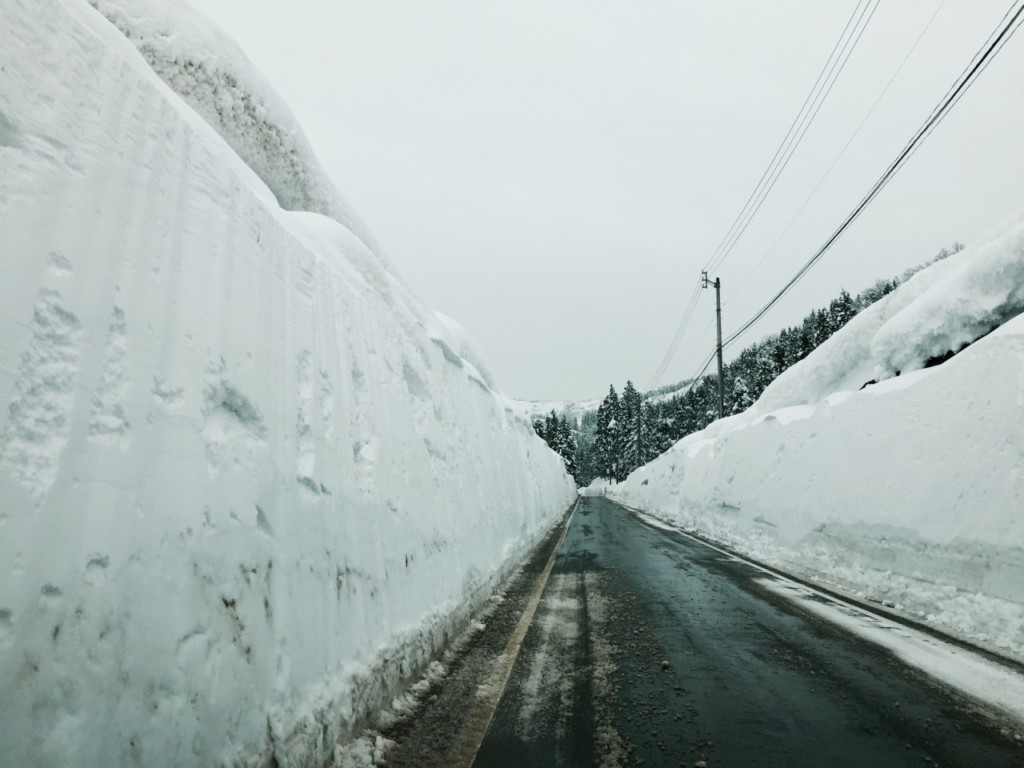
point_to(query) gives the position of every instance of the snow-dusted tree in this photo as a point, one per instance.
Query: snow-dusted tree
(632, 451)
(842, 310)
(566, 441)
(649, 430)
(606, 437)
(551, 430)
(561, 438)
(741, 397)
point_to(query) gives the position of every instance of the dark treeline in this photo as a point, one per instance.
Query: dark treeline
(561, 438)
(632, 428)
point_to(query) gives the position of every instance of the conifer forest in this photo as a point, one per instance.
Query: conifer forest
(631, 428)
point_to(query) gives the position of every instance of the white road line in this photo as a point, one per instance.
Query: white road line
(979, 678)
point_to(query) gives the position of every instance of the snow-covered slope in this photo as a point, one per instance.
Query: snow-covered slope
(909, 490)
(247, 482)
(572, 410)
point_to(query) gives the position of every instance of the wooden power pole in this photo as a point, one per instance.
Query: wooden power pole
(718, 348)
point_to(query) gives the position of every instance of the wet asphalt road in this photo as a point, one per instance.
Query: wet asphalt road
(751, 679)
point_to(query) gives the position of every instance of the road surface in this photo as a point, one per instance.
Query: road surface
(750, 681)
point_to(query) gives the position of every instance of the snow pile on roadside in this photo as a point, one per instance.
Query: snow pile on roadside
(907, 491)
(248, 485)
(937, 312)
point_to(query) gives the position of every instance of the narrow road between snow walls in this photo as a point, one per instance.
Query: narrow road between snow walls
(623, 643)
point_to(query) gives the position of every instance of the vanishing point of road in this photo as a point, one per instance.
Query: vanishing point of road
(649, 648)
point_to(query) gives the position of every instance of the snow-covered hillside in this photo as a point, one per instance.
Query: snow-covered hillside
(574, 410)
(247, 482)
(908, 490)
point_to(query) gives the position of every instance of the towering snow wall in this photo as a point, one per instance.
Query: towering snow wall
(208, 70)
(863, 468)
(247, 483)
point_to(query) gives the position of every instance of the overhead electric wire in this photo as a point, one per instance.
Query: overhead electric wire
(820, 91)
(785, 139)
(694, 350)
(842, 152)
(695, 380)
(978, 64)
(764, 194)
(1019, 20)
(674, 344)
(835, 63)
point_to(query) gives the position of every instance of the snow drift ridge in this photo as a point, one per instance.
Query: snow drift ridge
(937, 313)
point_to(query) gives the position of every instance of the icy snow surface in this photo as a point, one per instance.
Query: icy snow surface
(248, 484)
(908, 491)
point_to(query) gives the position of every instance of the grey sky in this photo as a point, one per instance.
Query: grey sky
(554, 175)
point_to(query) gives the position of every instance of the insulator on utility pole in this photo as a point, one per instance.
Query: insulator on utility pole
(718, 348)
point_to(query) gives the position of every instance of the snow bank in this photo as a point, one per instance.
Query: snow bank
(937, 312)
(454, 337)
(210, 72)
(244, 491)
(907, 491)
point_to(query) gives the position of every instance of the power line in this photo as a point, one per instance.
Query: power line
(695, 380)
(806, 126)
(978, 64)
(1019, 19)
(708, 328)
(822, 87)
(674, 344)
(842, 152)
(785, 140)
(819, 92)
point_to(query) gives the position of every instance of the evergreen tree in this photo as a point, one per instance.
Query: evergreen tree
(842, 310)
(560, 436)
(551, 430)
(664, 427)
(631, 431)
(650, 423)
(625, 433)
(741, 397)
(585, 455)
(566, 440)
(606, 436)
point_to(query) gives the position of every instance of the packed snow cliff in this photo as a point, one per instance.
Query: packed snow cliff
(208, 70)
(872, 467)
(248, 484)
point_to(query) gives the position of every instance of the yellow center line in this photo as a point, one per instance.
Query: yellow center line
(475, 726)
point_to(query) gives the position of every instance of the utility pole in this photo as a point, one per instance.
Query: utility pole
(718, 314)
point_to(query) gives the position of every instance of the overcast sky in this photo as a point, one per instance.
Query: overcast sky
(554, 175)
